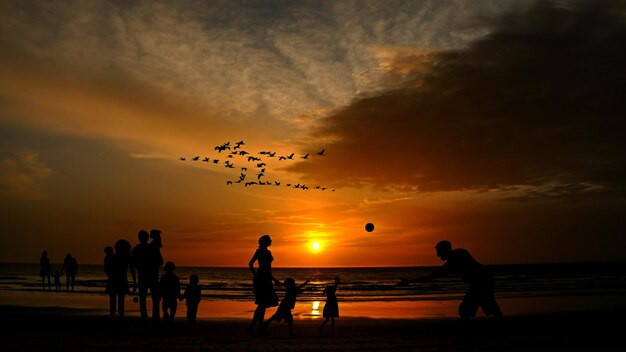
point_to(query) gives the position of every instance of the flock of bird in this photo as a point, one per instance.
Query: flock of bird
(258, 178)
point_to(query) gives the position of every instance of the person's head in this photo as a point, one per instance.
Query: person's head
(193, 279)
(68, 255)
(169, 267)
(265, 241)
(108, 250)
(143, 236)
(155, 234)
(122, 247)
(44, 253)
(443, 248)
(289, 282)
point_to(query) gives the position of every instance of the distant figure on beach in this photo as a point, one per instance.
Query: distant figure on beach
(331, 307)
(108, 266)
(146, 261)
(461, 263)
(45, 270)
(57, 280)
(70, 268)
(117, 284)
(170, 291)
(192, 297)
(287, 304)
(263, 283)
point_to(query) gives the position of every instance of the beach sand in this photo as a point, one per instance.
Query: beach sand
(45, 328)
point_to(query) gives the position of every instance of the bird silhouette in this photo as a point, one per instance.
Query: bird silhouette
(216, 161)
(206, 160)
(195, 158)
(321, 152)
(181, 158)
(282, 158)
(243, 153)
(305, 157)
(277, 183)
(260, 164)
(229, 183)
(272, 154)
(244, 169)
(290, 156)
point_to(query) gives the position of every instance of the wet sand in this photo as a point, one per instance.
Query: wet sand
(45, 328)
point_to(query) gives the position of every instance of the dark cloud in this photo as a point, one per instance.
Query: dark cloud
(538, 102)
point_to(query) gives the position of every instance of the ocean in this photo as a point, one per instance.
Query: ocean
(368, 286)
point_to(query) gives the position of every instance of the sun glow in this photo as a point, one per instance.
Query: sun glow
(315, 246)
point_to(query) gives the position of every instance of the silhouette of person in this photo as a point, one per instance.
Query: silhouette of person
(170, 290)
(45, 270)
(145, 260)
(155, 245)
(331, 307)
(117, 285)
(262, 283)
(192, 296)
(461, 263)
(108, 266)
(287, 304)
(70, 267)
(57, 280)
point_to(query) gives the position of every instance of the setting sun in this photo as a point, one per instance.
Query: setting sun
(315, 246)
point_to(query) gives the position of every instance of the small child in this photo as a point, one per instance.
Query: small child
(57, 280)
(192, 295)
(287, 304)
(331, 308)
(170, 291)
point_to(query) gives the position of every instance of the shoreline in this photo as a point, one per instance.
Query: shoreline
(36, 328)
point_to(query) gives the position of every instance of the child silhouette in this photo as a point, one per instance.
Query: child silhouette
(331, 308)
(170, 289)
(192, 297)
(287, 304)
(57, 280)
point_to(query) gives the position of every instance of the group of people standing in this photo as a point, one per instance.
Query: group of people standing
(69, 268)
(144, 261)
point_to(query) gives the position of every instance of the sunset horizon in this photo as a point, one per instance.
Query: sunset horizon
(485, 124)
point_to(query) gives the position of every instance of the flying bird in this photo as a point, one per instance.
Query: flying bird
(321, 152)
(195, 158)
(181, 158)
(229, 183)
(206, 160)
(305, 157)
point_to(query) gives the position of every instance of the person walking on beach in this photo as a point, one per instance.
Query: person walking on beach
(117, 285)
(70, 268)
(57, 280)
(331, 307)
(286, 305)
(45, 270)
(170, 291)
(145, 260)
(262, 283)
(461, 263)
(192, 296)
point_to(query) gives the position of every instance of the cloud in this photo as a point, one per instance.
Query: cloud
(22, 174)
(536, 104)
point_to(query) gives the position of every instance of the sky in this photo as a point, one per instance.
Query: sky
(497, 125)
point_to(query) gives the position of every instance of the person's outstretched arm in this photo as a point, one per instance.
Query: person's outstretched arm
(427, 278)
(304, 284)
(251, 263)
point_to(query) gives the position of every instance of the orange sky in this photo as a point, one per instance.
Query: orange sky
(439, 120)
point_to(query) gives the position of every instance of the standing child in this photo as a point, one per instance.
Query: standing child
(57, 280)
(287, 304)
(192, 295)
(331, 308)
(170, 289)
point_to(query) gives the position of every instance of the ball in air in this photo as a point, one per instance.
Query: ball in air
(369, 227)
